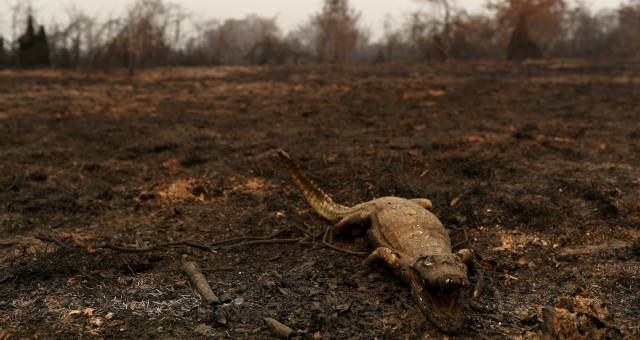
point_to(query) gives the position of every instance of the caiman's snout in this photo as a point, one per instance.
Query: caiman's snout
(440, 282)
(442, 274)
(445, 284)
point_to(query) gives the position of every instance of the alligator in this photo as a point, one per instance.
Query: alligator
(406, 236)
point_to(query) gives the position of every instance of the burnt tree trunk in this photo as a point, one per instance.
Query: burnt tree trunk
(521, 46)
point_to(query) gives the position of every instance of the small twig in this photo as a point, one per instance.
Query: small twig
(247, 238)
(327, 244)
(359, 253)
(219, 269)
(155, 247)
(52, 239)
(326, 233)
(269, 241)
(311, 227)
(8, 243)
(465, 240)
(14, 180)
(199, 281)
(61, 222)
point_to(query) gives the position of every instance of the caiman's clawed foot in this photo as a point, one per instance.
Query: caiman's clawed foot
(423, 202)
(468, 257)
(386, 255)
(465, 255)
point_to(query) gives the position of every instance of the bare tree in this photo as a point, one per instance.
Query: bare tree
(441, 39)
(3, 54)
(337, 31)
(238, 41)
(628, 31)
(535, 20)
(586, 34)
(144, 38)
(75, 41)
(393, 43)
(521, 46)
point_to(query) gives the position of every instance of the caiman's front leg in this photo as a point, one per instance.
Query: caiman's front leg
(395, 261)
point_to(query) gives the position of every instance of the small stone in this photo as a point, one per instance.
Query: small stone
(203, 311)
(269, 284)
(203, 329)
(225, 298)
(221, 316)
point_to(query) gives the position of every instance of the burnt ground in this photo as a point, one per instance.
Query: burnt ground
(535, 166)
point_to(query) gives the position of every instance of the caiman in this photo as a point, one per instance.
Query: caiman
(408, 237)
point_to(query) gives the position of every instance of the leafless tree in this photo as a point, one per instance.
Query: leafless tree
(393, 42)
(4, 62)
(627, 34)
(337, 31)
(541, 21)
(238, 41)
(440, 39)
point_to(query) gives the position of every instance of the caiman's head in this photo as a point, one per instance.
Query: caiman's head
(437, 283)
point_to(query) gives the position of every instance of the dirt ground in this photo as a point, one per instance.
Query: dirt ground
(535, 166)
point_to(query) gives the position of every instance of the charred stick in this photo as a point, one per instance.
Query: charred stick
(199, 281)
(278, 329)
(53, 240)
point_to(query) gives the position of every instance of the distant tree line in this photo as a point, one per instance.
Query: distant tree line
(155, 33)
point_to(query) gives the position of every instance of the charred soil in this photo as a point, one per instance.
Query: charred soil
(535, 166)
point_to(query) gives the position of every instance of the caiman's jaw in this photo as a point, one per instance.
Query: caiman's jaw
(437, 283)
(442, 309)
(440, 273)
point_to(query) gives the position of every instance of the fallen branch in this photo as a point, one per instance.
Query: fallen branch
(10, 243)
(53, 240)
(278, 329)
(199, 281)
(593, 249)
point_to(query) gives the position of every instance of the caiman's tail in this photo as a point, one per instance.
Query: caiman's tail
(317, 199)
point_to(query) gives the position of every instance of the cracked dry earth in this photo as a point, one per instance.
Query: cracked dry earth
(535, 166)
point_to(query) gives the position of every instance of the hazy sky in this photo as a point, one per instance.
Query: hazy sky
(289, 13)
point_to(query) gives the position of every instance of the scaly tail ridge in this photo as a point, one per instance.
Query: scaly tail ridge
(317, 199)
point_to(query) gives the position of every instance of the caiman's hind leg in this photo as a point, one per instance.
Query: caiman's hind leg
(357, 221)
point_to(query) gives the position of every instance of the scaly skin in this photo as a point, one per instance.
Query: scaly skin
(408, 237)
